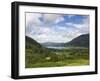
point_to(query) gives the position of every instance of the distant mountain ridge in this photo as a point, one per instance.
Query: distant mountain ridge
(34, 52)
(31, 41)
(52, 44)
(80, 41)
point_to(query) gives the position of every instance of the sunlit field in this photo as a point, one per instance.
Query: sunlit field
(55, 58)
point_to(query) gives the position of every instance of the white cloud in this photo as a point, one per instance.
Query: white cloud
(49, 38)
(62, 28)
(59, 19)
(69, 23)
(50, 17)
(48, 33)
(33, 18)
(83, 27)
(45, 30)
(65, 34)
(69, 16)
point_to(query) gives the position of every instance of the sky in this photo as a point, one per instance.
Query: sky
(58, 28)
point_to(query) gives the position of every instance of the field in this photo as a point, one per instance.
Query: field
(54, 57)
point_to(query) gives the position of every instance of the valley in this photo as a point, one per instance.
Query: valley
(38, 55)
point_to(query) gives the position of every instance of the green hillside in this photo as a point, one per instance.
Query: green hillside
(36, 53)
(40, 56)
(81, 41)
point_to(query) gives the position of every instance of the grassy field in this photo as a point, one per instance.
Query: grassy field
(55, 58)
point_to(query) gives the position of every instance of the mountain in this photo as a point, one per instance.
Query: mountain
(52, 44)
(30, 41)
(33, 47)
(34, 52)
(81, 41)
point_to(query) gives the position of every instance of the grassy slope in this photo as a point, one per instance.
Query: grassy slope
(80, 41)
(38, 56)
(35, 53)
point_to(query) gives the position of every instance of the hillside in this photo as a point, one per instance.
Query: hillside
(30, 41)
(36, 53)
(52, 44)
(81, 41)
(34, 47)
(39, 56)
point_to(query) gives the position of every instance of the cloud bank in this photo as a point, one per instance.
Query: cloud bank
(58, 28)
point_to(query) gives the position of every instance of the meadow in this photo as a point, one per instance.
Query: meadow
(43, 57)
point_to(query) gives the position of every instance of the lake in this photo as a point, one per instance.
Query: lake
(56, 47)
(62, 47)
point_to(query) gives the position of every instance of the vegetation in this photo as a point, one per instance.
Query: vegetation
(39, 56)
(82, 41)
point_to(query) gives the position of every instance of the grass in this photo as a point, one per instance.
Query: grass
(64, 57)
(75, 62)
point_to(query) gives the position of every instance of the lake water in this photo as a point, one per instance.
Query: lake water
(54, 47)
(60, 47)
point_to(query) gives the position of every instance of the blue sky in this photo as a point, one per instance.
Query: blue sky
(59, 28)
